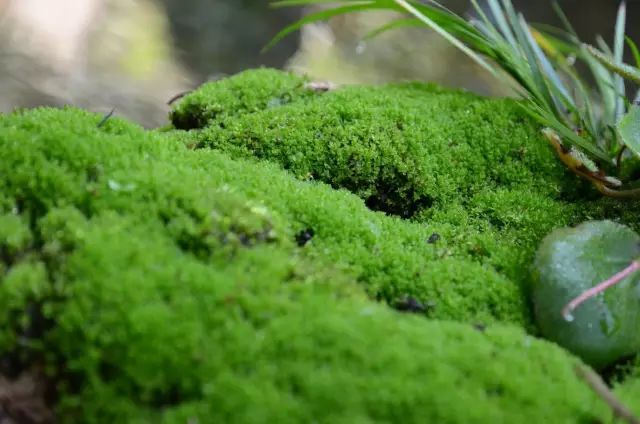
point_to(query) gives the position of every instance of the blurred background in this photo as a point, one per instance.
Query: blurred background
(134, 55)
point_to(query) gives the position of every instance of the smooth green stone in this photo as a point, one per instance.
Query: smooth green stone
(572, 260)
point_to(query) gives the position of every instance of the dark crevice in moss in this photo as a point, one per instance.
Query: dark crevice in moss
(619, 371)
(304, 236)
(190, 118)
(388, 200)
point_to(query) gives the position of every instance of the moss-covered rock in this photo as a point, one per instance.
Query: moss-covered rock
(253, 91)
(475, 171)
(395, 146)
(157, 283)
(571, 261)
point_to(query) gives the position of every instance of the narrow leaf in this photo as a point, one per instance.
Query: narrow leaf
(618, 52)
(289, 3)
(453, 40)
(498, 14)
(549, 72)
(322, 15)
(634, 51)
(548, 119)
(395, 24)
(622, 69)
(629, 129)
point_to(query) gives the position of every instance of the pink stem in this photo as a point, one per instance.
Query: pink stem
(587, 294)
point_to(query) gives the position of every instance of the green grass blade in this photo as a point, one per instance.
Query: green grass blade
(629, 129)
(322, 15)
(547, 119)
(603, 45)
(547, 67)
(511, 58)
(604, 82)
(634, 50)
(489, 30)
(565, 21)
(618, 41)
(289, 3)
(618, 53)
(498, 14)
(450, 38)
(539, 90)
(448, 20)
(582, 100)
(395, 24)
(622, 69)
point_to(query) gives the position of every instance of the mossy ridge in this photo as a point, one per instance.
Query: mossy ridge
(248, 348)
(474, 170)
(103, 213)
(149, 177)
(85, 174)
(395, 145)
(247, 92)
(391, 257)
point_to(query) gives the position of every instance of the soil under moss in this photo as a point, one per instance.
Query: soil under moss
(246, 270)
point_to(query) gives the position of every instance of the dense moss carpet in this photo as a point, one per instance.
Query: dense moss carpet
(249, 262)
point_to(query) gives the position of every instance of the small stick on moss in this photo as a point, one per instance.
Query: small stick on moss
(588, 294)
(106, 118)
(597, 385)
(321, 86)
(178, 97)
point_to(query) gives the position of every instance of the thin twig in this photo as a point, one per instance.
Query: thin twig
(597, 385)
(106, 118)
(588, 294)
(321, 86)
(178, 97)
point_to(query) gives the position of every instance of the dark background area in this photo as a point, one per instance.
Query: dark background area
(201, 40)
(229, 37)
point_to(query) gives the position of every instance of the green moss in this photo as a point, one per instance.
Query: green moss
(22, 290)
(163, 284)
(628, 390)
(202, 197)
(15, 237)
(475, 171)
(247, 92)
(251, 349)
(396, 146)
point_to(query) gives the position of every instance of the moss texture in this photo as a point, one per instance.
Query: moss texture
(157, 283)
(231, 97)
(628, 390)
(474, 171)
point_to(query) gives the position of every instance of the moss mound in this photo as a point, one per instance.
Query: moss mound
(394, 146)
(475, 171)
(235, 96)
(149, 282)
